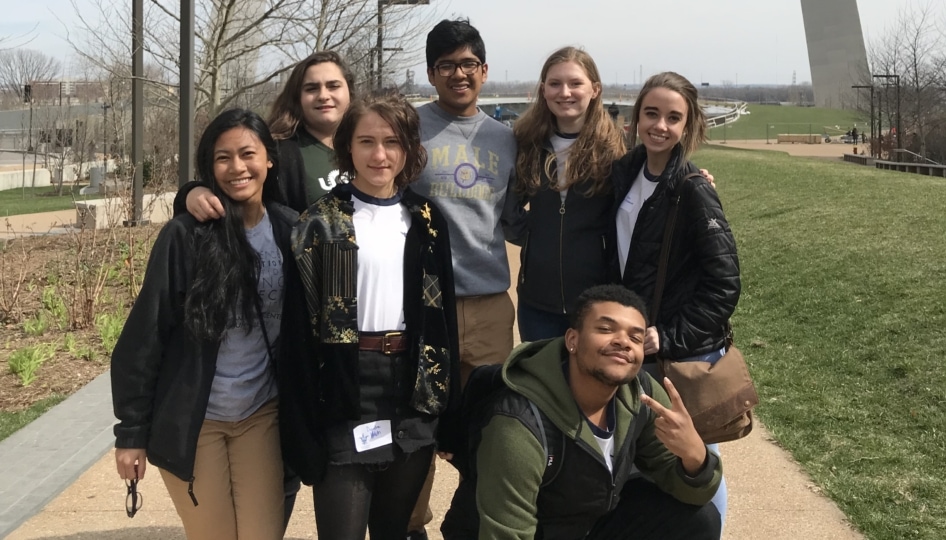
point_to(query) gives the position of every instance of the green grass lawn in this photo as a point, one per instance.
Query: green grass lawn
(770, 120)
(10, 422)
(842, 319)
(43, 199)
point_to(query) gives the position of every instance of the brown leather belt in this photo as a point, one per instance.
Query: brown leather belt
(390, 343)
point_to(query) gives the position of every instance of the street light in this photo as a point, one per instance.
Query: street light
(896, 78)
(857, 87)
(379, 48)
(105, 108)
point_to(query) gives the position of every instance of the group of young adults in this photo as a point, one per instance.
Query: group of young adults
(335, 275)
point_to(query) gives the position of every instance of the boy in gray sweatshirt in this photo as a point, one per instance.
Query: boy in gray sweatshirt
(471, 162)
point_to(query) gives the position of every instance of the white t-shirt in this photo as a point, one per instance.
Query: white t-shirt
(562, 145)
(381, 227)
(641, 190)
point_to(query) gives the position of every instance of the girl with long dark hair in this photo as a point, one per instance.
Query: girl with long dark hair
(381, 360)
(193, 382)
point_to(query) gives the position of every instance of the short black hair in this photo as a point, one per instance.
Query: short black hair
(606, 293)
(449, 36)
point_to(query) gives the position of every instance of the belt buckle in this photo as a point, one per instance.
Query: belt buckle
(386, 342)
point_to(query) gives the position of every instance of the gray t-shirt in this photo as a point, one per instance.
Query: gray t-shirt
(470, 166)
(244, 380)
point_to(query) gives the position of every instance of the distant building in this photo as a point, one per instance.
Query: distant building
(836, 51)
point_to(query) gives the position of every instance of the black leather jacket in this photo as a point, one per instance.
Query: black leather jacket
(162, 374)
(703, 285)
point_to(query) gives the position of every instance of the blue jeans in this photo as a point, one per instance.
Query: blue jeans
(535, 324)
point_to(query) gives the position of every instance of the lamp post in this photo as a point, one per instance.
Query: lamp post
(858, 87)
(105, 108)
(379, 47)
(886, 77)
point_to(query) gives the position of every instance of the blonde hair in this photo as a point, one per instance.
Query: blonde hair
(599, 142)
(694, 130)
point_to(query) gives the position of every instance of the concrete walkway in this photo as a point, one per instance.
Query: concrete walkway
(58, 482)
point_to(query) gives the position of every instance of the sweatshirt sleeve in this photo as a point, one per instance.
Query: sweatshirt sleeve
(514, 214)
(180, 200)
(510, 464)
(666, 469)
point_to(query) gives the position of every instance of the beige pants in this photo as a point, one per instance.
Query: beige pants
(238, 481)
(485, 327)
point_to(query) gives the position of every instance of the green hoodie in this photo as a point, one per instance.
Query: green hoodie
(511, 462)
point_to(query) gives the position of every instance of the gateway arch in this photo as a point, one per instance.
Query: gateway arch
(836, 52)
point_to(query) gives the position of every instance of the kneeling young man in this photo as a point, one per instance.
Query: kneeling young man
(586, 396)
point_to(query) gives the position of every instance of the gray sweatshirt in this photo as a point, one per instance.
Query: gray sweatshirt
(471, 162)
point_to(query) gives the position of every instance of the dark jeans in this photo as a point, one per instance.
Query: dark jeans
(290, 485)
(373, 497)
(535, 324)
(643, 513)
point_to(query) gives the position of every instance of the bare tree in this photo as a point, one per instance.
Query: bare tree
(243, 47)
(23, 66)
(912, 49)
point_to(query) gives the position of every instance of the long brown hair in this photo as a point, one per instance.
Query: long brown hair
(599, 143)
(404, 121)
(694, 131)
(286, 113)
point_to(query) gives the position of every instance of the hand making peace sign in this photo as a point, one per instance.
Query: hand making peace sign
(674, 428)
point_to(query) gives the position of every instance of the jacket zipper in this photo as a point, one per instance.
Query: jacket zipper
(584, 446)
(561, 252)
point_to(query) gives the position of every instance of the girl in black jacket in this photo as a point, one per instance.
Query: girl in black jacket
(702, 284)
(380, 365)
(193, 384)
(567, 144)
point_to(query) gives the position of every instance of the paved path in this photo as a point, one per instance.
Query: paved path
(42, 223)
(58, 482)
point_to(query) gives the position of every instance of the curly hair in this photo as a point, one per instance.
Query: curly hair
(227, 267)
(403, 119)
(286, 112)
(599, 143)
(605, 293)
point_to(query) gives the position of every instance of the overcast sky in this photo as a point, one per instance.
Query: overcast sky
(743, 41)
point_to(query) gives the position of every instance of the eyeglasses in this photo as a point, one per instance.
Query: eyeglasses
(134, 499)
(467, 67)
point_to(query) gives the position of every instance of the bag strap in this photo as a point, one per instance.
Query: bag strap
(665, 248)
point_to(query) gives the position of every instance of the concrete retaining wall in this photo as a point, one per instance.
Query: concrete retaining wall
(804, 139)
(113, 211)
(17, 179)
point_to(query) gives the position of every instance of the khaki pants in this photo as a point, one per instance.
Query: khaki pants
(485, 327)
(238, 481)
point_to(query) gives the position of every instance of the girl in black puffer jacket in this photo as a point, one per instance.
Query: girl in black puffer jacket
(702, 284)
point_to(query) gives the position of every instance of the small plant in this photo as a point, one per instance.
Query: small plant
(37, 325)
(26, 361)
(109, 326)
(72, 346)
(56, 306)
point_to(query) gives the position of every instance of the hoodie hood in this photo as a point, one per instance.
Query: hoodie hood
(535, 370)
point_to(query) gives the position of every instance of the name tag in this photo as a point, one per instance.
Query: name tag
(372, 435)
